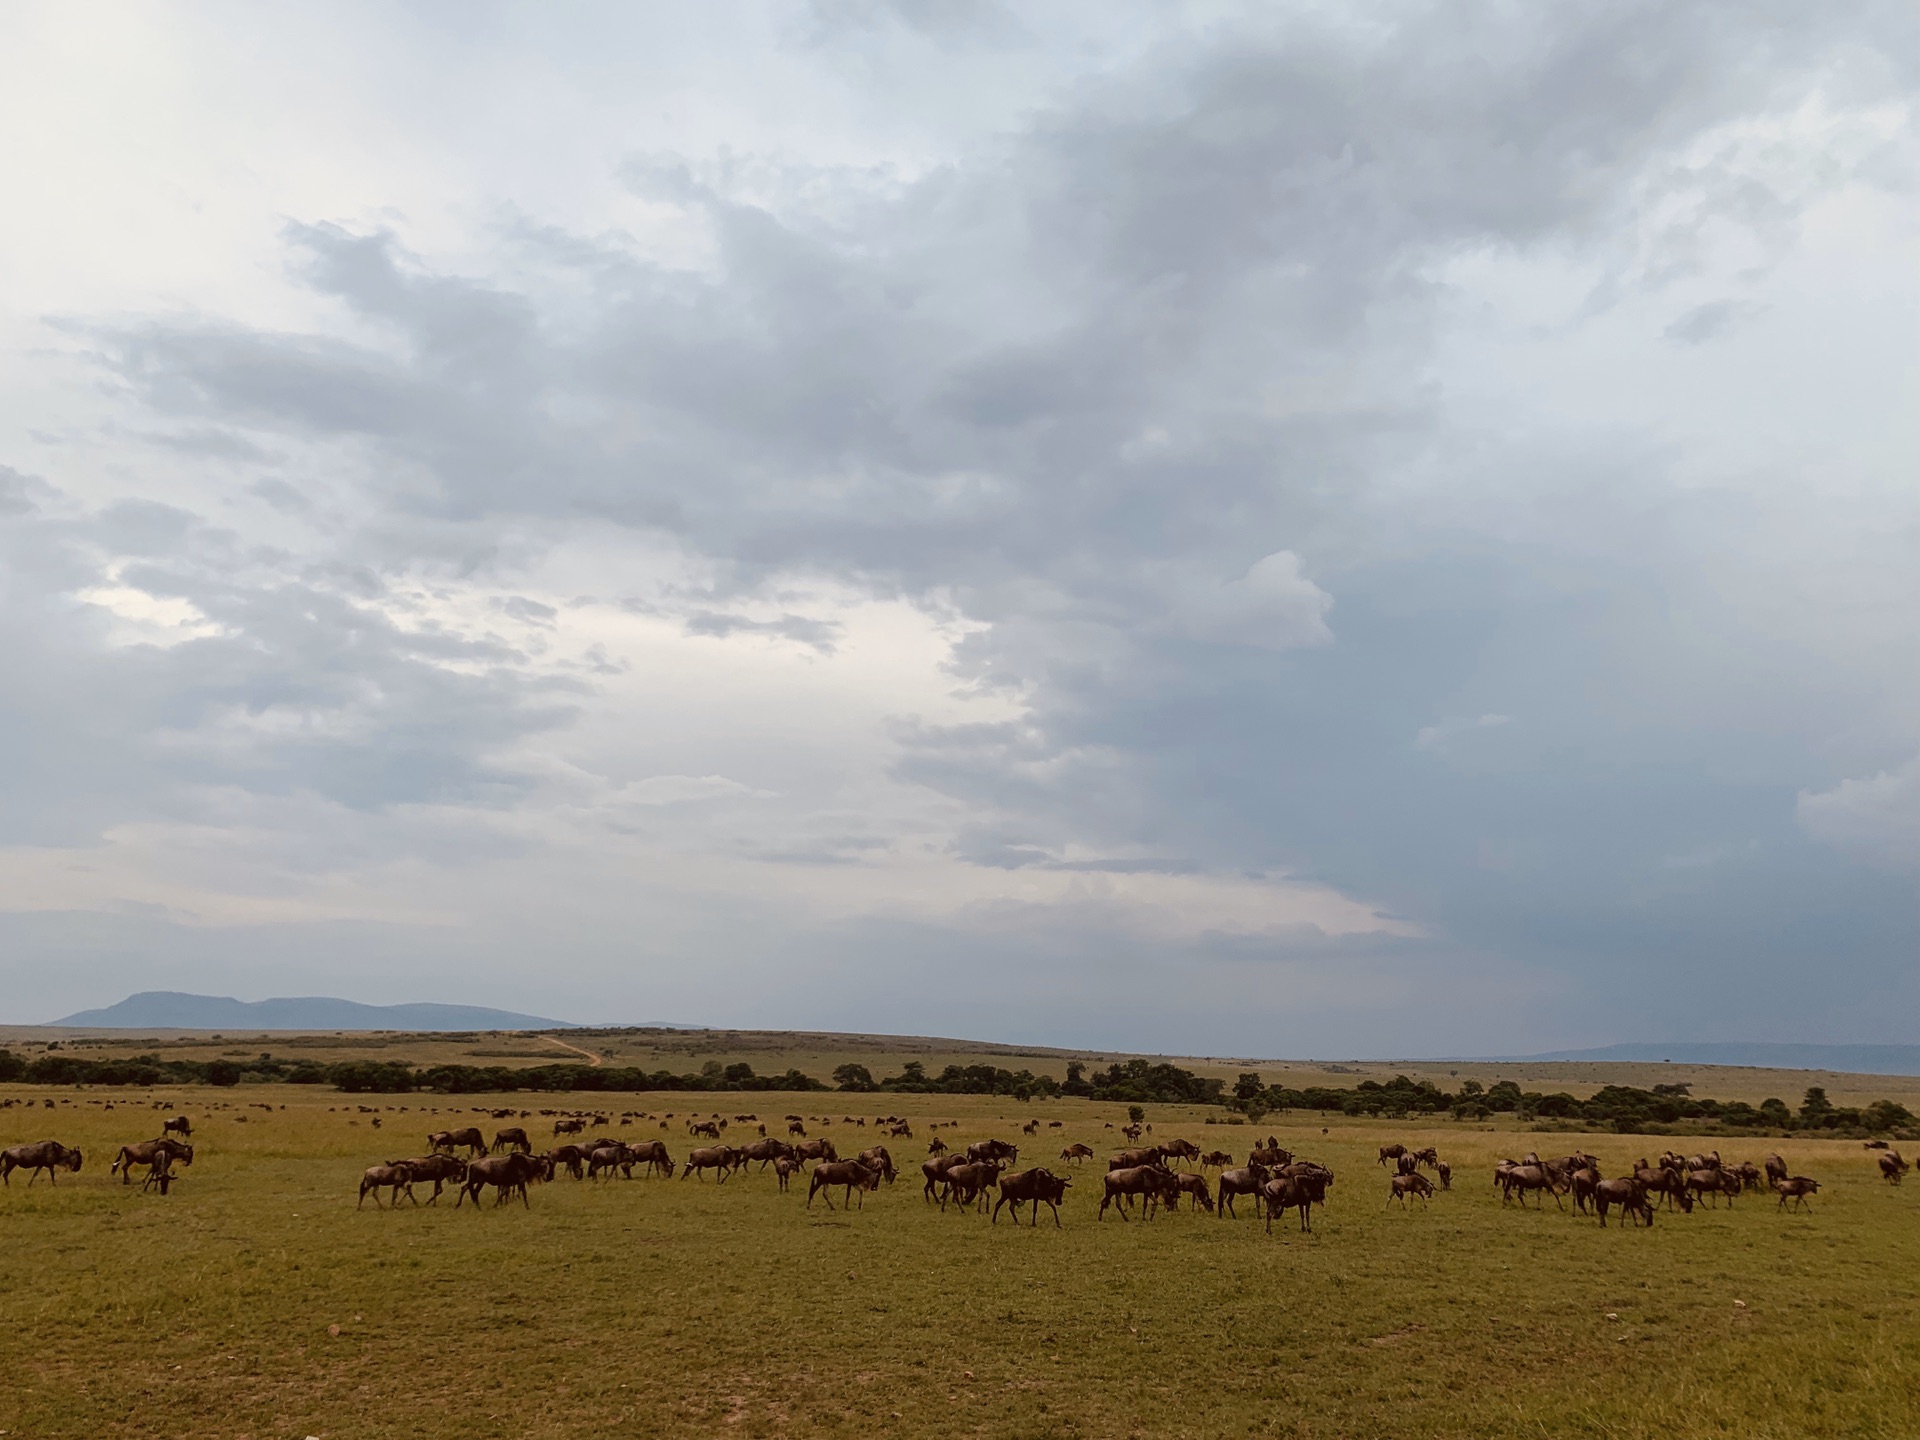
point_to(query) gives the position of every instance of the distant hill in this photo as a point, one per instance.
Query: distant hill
(172, 1010)
(1855, 1059)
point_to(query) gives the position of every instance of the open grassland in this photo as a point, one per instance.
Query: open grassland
(816, 1054)
(686, 1307)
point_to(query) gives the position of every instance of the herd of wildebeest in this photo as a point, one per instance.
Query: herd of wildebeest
(1273, 1180)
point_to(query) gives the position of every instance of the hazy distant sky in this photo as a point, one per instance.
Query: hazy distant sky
(1311, 529)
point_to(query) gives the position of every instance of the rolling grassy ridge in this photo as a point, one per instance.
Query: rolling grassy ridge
(685, 1307)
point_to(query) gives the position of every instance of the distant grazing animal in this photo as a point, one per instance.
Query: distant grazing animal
(1132, 1159)
(1402, 1186)
(1892, 1168)
(392, 1177)
(178, 1125)
(512, 1138)
(1077, 1153)
(796, 1128)
(1796, 1188)
(148, 1153)
(1034, 1187)
(452, 1139)
(848, 1173)
(569, 1126)
(47, 1155)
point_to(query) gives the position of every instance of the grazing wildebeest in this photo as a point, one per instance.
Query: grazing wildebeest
(161, 1173)
(1035, 1187)
(794, 1127)
(1402, 1186)
(1077, 1153)
(1796, 1188)
(148, 1153)
(1776, 1169)
(652, 1154)
(178, 1125)
(1391, 1152)
(569, 1157)
(848, 1173)
(899, 1131)
(512, 1138)
(1289, 1192)
(969, 1181)
(937, 1146)
(508, 1174)
(875, 1157)
(567, 1125)
(438, 1168)
(722, 1158)
(1892, 1168)
(784, 1168)
(47, 1155)
(378, 1177)
(1270, 1155)
(1245, 1181)
(1712, 1184)
(1429, 1157)
(1664, 1181)
(1185, 1182)
(993, 1150)
(1445, 1172)
(1032, 1127)
(450, 1139)
(1150, 1181)
(1628, 1194)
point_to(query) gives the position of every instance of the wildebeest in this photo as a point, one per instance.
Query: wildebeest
(969, 1181)
(937, 1146)
(1892, 1168)
(1151, 1182)
(1133, 1159)
(764, 1151)
(567, 1125)
(1711, 1184)
(1445, 1172)
(178, 1125)
(1776, 1169)
(652, 1154)
(1665, 1181)
(569, 1157)
(1796, 1188)
(993, 1150)
(1294, 1192)
(1525, 1178)
(609, 1155)
(935, 1171)
(451, 1139)
(47, 1155)
(707, 1129)
(148, 1153)
(875, 1157)
(506, 1173)
(1245, 1181)
(1270, 1155)
(1077, 1153)
(512, 1138)
(1035, 1187)
(1180, 1150)
(794, 1127)
(815, 1150)
(161, 1173)
(1628, 1194)
(1402, 1186)
(1391, 1152)
(439, 1168)
(1185, 1182)
(723, 1158)
(847, 1173)
(379, 1177)
(784, 1168)
(1217, 1159)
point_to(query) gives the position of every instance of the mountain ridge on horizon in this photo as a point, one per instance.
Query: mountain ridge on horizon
(179, 1010)
(1763, 1055)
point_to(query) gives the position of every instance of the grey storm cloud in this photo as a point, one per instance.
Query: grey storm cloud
(1132, 389)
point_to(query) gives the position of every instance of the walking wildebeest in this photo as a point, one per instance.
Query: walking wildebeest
(1892, 1168)
(1217, 1159)
(178, 1125)
(147, 1153)
(1035, 1187)
(784, 1169)
(1245, 1181)
(512, 1138)
(449, 1139)
(935, 1171)
(1076, 1153)
(47, 1155)
(569, 1157)
(815, 1150)
(937, 1146)
(765, 1151)
(849, 1173)
(993, 1150)
(1796, 1188)
(569, 1126)
(652, 1154)
(969, 1181)
(438, 1167)
(506, 1173)
(722, 1158)
(1180, 1150)
(1391, 1152)
(1150, 1181)
(378, 1177)
(1402, 1186)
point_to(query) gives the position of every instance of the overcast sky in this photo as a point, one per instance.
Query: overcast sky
(1309, 529)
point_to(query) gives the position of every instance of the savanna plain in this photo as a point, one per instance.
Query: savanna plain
(256, 1300)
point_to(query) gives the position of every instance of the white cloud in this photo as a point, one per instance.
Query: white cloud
(1876, 818)
(1274, 606)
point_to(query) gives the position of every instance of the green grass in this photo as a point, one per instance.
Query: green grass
(690, 1308)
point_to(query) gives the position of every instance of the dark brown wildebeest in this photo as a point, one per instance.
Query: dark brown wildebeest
(1527, 1179)
(1445, 1172)
(999, 1150)
(1185, 1182)
(1180, 1150)
(1581, 1182)
(1892, 1168)
(1796, 1188)
(1246, 1181)
(723, 1158)
(1034, 1187)
(1749, 1174)
(815, 1150)
(451, 1139)
(1150, 1181)
(148, 1153)
(570, 1158)
(935, 1171)
(1628, 1194)
(609, 1155)
(512, 1138)
(875, 1157)
(936, 1146)
(1134, 1159)
(567, 1125)
(1292, 1192)
(378, 1177)
(1429, 1157)
(1711, 1184)
(1391, 1152)
(508, 1174)
(900, 1130)
(703, 1129)
(1077, 1153)
(1216, 1159)
(784, 1169)
(47, 1155)
(764, 1151)
(1703, 1162)
(1132, 1132)
(968, 1182)
(794, 1127)
(1402, 1186)
(848, 1173)
(653, 1154)
(1661, 1180)
(1776, 1169)
(1032, 1127)
(178, 1125)
(161, 1173)
(1271, 1156)
(438, 1168)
